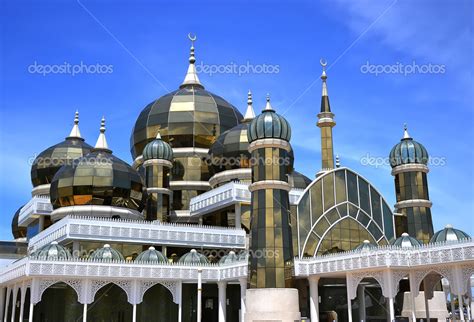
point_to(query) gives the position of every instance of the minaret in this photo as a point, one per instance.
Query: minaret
(191, 78)
(269, 135)
(158, 158)
(326, 123)
(409, 161)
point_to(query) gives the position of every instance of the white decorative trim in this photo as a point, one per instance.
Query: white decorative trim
(96, 211)
(188, 152)
(270, 184)
(190, 185)
(410, 167)
(413, 203)
(137, 162)
(269, 143)
(228, 175)
(162, 162)
(41, 190)
(159, 190)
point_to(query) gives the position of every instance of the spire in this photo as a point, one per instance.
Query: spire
(101, 143)
(158, 135)
(325, 107)
(406, 136)
(191, 77)
(249, 114)
(75, 133)
(338, 161)
(268, 106)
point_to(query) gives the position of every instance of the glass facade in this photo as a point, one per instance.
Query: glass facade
(339, 211)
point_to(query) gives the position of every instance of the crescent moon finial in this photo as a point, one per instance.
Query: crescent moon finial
(192, 37)
(323, 62)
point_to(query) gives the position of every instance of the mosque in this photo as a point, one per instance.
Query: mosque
(212, 222)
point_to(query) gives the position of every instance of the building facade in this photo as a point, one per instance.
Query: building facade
(212, 212)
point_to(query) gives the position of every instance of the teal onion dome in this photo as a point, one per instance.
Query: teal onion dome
(229, 258)
(366, 245)
(52, 251)
(158, 149)
(405, 241)
(269, 125)
(106, 253)
(193, 257)
(449, 234)
(151, 255)
(408, 151)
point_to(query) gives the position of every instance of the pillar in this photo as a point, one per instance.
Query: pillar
(314, 298)
(15, 294)
(22, 303)
(84, 313)
(461, 308)
(30, 317)
(7, 302)
(238, 214)
(468, 304)
(349, 303)
(134, 317)
(243, 291)
(222, 301)
(427, 306)
(391, 309)
(180, 301)
(199, 296)
(361, 298)
(413, 306)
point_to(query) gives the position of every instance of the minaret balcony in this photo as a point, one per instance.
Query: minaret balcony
(39, 205)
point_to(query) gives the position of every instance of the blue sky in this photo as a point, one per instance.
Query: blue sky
(146, 44)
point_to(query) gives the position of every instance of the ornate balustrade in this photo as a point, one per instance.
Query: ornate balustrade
(37, 206)
(139, 232)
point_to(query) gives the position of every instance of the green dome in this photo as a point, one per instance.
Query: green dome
(269, 125)
(17, 231)
(52, 251)
(151, 255)
(449, 234)
(99, 178)
(230, 151)
(408, 151)
(106, 253)
(366, 245)
(158, 149)
(229, 258)
(405, 241)
(193, 257)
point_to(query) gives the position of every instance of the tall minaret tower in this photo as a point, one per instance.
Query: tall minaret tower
(158, 158)
(326, 123)
(270, 251)
(409, 160)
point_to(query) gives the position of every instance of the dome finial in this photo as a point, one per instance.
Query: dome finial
(191, 77)
(268, 106)
(158, 135)
(405, 132)
(325, 107)
(338, 162)
(101, 143)
(249, 114)
(75, 133)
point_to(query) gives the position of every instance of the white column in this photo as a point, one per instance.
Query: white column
(349, 302)
(84, 313)
(461, 307)
(134, 317)
(30, 317)
(238, 214)
(243, 292)
(314, 298)
(15, 294)
(222, 300)
(451, 297)
(468, 304)
(5, 316)
(199, 296)
(413, 306)
(361, 298)
(22, 303)
(180, 303)
(164, 250)
(391, 309)
(2, 301)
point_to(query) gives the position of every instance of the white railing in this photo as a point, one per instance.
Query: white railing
(139, 232)
(85, 268)
(227, 195)
(388, 256)
(37, 206)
